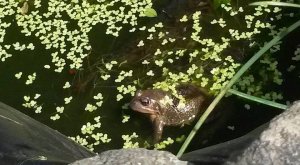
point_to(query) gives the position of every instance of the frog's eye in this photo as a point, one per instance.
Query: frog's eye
(145, 101)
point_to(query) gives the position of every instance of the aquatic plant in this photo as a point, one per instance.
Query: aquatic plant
(161, 54)
(128, 141)
(245, 67)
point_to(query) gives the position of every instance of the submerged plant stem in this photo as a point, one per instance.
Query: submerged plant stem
(244, 68)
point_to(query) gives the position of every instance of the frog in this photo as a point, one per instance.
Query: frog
(150, 103)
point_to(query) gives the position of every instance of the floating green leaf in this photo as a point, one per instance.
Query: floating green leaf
(150, 12)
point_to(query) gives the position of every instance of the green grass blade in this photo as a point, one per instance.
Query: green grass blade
(257, 99)
(232, 81)
(272, 3)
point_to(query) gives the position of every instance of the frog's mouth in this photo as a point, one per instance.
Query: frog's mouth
(137, 106)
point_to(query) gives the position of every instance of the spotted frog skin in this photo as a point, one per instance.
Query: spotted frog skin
(161, 114)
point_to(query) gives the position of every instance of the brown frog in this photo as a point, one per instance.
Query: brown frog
(150, 102)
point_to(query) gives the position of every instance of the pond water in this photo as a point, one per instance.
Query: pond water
(86, 81)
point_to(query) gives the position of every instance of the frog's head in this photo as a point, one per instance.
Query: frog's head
(147, 101)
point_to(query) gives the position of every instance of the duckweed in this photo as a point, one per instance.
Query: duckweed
(171, 56)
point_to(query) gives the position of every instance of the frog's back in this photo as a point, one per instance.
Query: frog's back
(176, 115)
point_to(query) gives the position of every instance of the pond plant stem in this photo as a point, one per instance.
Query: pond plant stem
(243, 69)
(258, 100)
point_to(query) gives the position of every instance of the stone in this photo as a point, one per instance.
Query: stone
(278, 144)
(274, 143)
(136, 156)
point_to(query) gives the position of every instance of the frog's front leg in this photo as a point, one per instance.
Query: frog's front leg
(158, 129)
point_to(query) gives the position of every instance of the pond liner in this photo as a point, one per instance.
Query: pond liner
(218, 154)
(26, 141)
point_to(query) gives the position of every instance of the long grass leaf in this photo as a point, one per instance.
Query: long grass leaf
(243, 69)
(272, 3)
(258, 100)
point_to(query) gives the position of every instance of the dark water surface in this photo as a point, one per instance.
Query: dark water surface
(237, 119)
